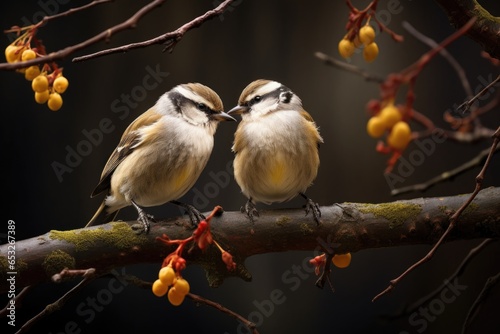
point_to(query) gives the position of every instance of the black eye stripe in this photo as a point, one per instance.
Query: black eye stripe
(180, 100)
(275, 94)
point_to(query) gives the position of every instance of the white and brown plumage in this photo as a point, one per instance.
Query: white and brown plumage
(276, 146)
(161, 153)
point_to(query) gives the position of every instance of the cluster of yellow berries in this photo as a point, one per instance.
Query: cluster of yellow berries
(365, 37)
(390, 119)
(48, 83)
(173, 284)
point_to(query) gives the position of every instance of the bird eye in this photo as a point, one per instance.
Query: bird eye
(202, 106)
(254, 100)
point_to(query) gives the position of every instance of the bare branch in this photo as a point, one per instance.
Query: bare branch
(328, 60)
(478, 160)
(348, 227)
(169, 39)
(453, 219)
(467, 104)
(88, 276)
(198, 299)
(460, 269)
(485, 30)
(103, 36)
(453, 62)
(490, 283)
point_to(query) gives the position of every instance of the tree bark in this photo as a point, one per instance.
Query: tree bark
(346, 227)
(486, 29)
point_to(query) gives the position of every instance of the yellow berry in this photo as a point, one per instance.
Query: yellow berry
(175, 297)
(55, 101)
(400, 136)
(42, 97)
(32, 72)
(159, 289)
(13, 53)
(182, 286)
(40, 83)
(341, 260)
(370, 52)
(346, 48)
(28, 54)
(366, 35)
(167, 275)
(60, 84)
(390, 115)
(375, 127)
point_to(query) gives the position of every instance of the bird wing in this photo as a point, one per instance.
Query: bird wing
(131, 139)
(309, 118)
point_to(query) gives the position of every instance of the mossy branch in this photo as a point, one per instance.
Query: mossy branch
(344, 227)
(486, 29)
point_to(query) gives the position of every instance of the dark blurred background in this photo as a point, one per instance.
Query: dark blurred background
(253, 39)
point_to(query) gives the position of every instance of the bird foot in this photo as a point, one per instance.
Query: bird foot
(250, 210)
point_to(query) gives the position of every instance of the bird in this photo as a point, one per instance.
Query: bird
(276, 147)
(161, 154)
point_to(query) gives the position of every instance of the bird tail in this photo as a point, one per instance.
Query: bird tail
(102, 216)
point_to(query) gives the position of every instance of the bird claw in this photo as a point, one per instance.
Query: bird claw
(144, 219)
(314, 208)
(195, 216)
(250, 210)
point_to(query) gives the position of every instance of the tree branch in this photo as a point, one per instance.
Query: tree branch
(347, 227)
(131, 22)
(485, 30)
(169, 39)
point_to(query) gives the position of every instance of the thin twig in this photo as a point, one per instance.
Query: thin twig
(453, 219)
(87, 275)
(17, 300)
(169, 39)
(490, 283)
(459, 271)
(197, 299)
(478, 160)
(328, 60)
(74, 10)
(467, 104)
(248, 323)
(453, 62)
(103, 36)
(325, 275)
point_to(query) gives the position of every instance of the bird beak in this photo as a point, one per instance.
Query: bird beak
(222, 116)
(238, 110)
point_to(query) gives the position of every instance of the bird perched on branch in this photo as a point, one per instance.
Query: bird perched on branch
(276, 147)
(161, 154)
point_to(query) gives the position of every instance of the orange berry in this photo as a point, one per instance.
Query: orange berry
(32, 72)
(40, 83)
(375, 127)
(390, 115)
(42, 97)
(159, 289)
(167, 275)
(346, 48)
(60, 84)
(342, 260)
(400, 135)
(28, 54)
(13, 53)
(181, 285)
(370, 52)
(366, 35)
(174, 297)
(55, 101)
